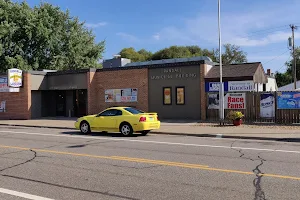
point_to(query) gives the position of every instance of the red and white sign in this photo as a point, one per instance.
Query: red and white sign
(235, 101)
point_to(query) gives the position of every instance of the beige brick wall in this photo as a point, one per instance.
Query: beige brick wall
(18, 104)
(118, 79)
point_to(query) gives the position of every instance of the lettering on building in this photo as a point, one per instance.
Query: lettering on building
(173, 73)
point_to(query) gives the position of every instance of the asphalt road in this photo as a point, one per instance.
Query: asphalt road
(44, 164)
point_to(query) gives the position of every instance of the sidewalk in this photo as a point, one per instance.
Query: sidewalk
(267, 132)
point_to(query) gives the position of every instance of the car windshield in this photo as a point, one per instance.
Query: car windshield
(133, 110)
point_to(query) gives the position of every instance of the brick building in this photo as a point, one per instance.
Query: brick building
(174, 88)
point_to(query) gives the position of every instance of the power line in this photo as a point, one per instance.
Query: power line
(276, 57)
(284, 65)
(265, 31)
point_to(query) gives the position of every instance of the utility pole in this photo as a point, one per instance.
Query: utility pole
(294, 55)
(221, 90)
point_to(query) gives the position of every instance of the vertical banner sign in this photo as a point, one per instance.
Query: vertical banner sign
(235, 101)
(267, 105)
(14, 78)
(167, 96)
(288, 100)
(213, 101)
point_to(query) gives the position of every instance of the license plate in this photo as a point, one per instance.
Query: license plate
(150, 118)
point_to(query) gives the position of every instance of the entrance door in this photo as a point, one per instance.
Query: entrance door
(60, 103)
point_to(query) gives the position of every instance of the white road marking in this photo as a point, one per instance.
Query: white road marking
(153, 142)
(23, 195)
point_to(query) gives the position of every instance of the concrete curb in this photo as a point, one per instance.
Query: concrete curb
(181, 134)
(36, 126)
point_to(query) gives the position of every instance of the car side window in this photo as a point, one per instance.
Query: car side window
(112, 112)
(118, 113)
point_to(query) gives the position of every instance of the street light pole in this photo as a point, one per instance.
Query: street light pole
(221, 87)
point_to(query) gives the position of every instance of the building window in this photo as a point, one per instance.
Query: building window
(180, 95)
(167, 96)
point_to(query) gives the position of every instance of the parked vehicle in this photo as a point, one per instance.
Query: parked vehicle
(126, 120)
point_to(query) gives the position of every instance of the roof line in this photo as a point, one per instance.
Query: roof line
(240, 63)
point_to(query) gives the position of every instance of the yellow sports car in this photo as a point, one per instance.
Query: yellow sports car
(126, 120)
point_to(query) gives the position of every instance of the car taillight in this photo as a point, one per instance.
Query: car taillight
(157, 118)
(142, 119)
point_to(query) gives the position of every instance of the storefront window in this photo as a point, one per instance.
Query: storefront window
(180, 95)
(167, 95)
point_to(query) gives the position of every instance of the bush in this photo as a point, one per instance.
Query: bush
(235, 115)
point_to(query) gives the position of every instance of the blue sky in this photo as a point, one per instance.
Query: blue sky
(260, 27)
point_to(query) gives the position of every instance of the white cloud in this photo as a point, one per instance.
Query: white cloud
(236, 27)
(128, 37)
(96, 25)
(269, 39)
(156, 36)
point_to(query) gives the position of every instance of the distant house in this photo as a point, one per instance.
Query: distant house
(241, 77)
(290, 87)
(271, 85)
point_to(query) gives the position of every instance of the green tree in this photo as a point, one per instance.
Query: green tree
(145, 55)
(44, 37)
(233, 54)
(287, 77)
(172, 52)
(131, 54)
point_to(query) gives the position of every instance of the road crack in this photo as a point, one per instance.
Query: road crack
(27, 161)
(259, 193)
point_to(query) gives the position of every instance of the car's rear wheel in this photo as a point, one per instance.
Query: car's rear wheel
(144, 133)
(126, 129)
(85, 127)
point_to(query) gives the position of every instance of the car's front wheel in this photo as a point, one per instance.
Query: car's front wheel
(126, 129)
(85, 127)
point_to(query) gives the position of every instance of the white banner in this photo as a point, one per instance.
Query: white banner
(213, 101)
(235, 101)
(240, 86)
(267, 105)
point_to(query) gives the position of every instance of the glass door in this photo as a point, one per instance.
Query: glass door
(60, 103)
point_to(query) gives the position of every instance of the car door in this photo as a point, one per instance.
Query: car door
(105, 121)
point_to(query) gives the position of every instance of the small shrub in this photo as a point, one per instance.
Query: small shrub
(235, 115)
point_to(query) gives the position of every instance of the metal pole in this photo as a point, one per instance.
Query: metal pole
(221, 88)
(294, 58)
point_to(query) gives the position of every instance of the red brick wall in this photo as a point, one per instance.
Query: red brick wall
(91, 93)
(18, 104)
(103, 80)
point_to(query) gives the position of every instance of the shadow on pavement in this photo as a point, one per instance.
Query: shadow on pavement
(99, 134)
(288, 140)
